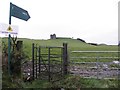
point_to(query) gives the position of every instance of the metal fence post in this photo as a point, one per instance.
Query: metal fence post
(39, 60)
(49, 64)
(33, 59)
(36, 61)
(1, 63)
(9, 54)
(97, 64)
(65, 59)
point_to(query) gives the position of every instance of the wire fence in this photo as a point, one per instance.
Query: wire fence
(95, 64)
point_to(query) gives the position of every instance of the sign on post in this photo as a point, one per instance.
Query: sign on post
(8, 29)
(18, 12)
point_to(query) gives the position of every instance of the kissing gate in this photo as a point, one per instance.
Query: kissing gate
(49, 62)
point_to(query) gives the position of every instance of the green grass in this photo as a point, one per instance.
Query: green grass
(69, 81)
(74, 82)
(73, 45)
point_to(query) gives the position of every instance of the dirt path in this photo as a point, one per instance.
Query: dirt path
(94, 72)
(84, 72)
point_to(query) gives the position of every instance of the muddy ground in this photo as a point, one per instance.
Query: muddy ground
(78, 70)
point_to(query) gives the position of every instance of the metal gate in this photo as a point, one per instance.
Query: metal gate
(95, 64)
(49, 62)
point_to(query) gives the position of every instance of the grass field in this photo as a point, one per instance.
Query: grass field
(72, 45)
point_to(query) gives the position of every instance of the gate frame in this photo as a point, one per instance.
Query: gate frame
(64, 58)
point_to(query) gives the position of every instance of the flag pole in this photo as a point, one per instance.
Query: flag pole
(10, 14)
(9, 54)
(9, 45)
(24, 15)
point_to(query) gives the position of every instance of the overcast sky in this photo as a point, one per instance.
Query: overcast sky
(94, 21)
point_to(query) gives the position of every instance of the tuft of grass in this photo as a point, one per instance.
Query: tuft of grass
(36, 84)
(115, 65)
(70, 81)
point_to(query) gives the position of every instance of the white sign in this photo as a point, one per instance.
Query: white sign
(8, 29)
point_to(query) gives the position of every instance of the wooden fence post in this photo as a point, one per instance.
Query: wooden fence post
(19, 50)
(65, 59)
(19, 45)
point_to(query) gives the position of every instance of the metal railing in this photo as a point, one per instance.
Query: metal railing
(95, 64)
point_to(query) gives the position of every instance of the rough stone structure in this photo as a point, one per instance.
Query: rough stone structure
(53, 36)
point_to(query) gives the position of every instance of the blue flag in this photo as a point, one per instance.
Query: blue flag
(18, 12)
